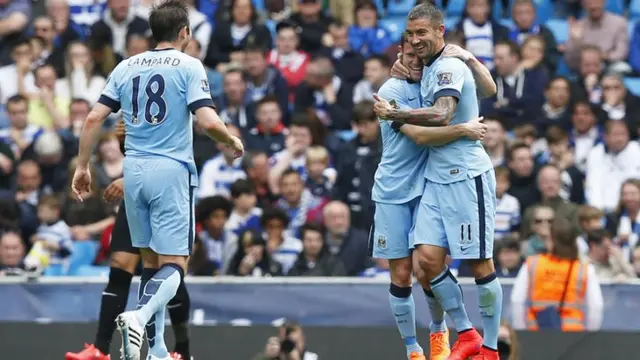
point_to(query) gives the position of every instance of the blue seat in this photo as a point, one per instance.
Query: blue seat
(633, 85)
(455, 8)
(259, 4)
(560, 29)
(634, 9)
(615, 6)
(498, 11)
(450, 22)
(631, 25)
(395, 26)
(55, 270)
(84, 252)
(92, 271)
(506, 22)
(380, 6)
(400, 7)
(563, 69)
(271, 25)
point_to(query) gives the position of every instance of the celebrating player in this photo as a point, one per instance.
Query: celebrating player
(124, 260)
(156, 90)
(457, 208)
(396, 191)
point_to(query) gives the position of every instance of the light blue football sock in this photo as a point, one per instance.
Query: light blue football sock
(448, 292)
(157, 293)
(437, 313)
(490, 303)
(404, 310)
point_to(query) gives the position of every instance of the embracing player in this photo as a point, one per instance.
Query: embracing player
(156, 90)
(399, 183)
(457, 208)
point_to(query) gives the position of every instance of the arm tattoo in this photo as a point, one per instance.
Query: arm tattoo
(438, 115)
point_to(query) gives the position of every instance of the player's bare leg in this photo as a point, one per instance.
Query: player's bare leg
(490, 302)
(403, 305)
(439, 333)
(447, 291)
(114, 301)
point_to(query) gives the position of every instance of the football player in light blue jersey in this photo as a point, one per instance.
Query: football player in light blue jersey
(396, 191)
(457, 209)
(156, 90)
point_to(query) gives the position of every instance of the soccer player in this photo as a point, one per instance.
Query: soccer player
(156, 90)
(124, 260)
(457, 208)
(396, 191)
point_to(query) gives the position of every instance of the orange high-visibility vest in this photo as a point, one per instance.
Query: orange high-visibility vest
(547, 279)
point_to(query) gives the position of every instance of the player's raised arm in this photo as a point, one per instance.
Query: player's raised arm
(484, 81)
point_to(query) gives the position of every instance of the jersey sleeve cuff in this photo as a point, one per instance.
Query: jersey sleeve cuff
(447, 92)
(200, 104)
(396, 126)
(109, 102)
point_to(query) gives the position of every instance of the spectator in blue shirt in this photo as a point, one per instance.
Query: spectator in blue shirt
(366, 36)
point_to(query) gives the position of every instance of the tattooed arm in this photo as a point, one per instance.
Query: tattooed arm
(438, 115)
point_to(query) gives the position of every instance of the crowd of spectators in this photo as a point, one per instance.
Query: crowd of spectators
(295, 80)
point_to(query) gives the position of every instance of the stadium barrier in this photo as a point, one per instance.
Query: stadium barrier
(354, 302)
(51, 341)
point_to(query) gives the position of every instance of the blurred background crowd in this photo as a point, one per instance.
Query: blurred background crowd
(295, 80)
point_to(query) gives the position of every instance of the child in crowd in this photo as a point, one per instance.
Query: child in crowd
(216, 245)
(508, 208)
(52, 242)
(317, 162)
(245, 215)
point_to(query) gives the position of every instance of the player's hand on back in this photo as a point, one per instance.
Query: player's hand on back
(476, 129)
(114, 191)
(81, 183)
(398, 70)
(457, 52)
(382, 107)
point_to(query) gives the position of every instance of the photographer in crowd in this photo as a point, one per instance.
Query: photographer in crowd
(289, 345)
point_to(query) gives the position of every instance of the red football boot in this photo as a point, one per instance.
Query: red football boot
(486, 354)
(468, 344)
(90, 352)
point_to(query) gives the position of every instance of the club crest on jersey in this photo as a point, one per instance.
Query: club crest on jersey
(205, 86)
(445, 78)
(381, 242)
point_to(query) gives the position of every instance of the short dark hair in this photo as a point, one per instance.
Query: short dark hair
(514, 49)
(290, 171)
(502, 171)
(310, 226)
(555, 135)
(284, 25)
(51, 201)
(247, 159)
(44, 66)
(241, 187)
(167, 19)
(266, 100)
(558, 78)
(301, 121)
(426, 11)
(18, 98)
(510, 242)
(207, 206)
(610, 123)
(363, 112)
(274, 214)
(80, 101)
(382, 59)
(515, 147)
(21, 41)
(596, 237)
(255, 47)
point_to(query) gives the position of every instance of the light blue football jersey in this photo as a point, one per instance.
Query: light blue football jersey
(156, 91)
(398, 178)
(463, 158)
